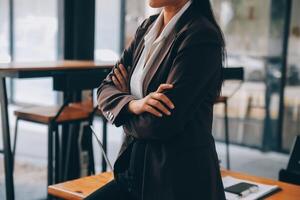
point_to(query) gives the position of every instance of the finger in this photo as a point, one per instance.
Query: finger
(120, 78)
(163, 98)
(116, 82)
(123, 71)
(163, 87)
(159, 106)
(153, 111)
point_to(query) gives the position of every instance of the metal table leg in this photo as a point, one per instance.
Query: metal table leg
(9, 182)
(227, 135)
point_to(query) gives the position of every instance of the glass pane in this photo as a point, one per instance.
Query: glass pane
(107, 38)
(136, 12)
(253, 33)
(36, 28)
(4, 31)
(292, 90)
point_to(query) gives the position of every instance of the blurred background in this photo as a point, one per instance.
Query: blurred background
(264, 113)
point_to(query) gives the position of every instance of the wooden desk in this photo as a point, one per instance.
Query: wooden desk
(81, 188)
(288, 192)
(32, 70)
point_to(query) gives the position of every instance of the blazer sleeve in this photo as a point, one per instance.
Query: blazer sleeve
(196, 67)
(111, 101)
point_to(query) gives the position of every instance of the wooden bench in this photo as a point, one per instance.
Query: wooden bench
(80, 188)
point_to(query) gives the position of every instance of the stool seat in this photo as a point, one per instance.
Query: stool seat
(44, 114)
(80, 188)
(221, 99)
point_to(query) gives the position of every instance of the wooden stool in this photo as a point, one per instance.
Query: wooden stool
(52, 116)
(80, 188)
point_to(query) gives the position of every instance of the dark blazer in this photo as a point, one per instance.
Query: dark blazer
(179, 159)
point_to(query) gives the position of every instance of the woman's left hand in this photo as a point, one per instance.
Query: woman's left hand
(120, 78)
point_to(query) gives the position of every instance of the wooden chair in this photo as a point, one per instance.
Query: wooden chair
(80, 188)
(52, 116)
(229, 73)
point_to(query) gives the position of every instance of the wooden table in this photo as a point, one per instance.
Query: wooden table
(81, 188)
(288, 191)
(59, 70)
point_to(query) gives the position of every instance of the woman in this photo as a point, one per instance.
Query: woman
(162, 92)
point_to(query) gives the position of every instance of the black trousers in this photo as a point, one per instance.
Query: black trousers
(111, 191)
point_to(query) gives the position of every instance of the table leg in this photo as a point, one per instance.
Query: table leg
(226, 123)
(9, 182)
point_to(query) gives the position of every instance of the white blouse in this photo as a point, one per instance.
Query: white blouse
(152, 46)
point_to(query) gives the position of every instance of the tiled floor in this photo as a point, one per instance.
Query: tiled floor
(30, 173)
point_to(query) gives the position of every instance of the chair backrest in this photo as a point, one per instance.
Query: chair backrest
(289, 177)
(294, 161)
(292, 173)
(233, 73)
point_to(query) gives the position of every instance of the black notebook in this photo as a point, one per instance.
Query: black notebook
(246, 190)
(242, 189)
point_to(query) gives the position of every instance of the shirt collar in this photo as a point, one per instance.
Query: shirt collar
(151, 35)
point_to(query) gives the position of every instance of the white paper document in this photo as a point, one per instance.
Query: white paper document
(262, 189)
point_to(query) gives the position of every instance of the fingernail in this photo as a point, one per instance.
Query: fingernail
(172, 106)
(160, 115)
(169, 113)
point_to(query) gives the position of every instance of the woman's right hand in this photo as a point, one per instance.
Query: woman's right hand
(154, 103)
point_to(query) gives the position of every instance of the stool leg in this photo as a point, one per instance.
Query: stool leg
(226, 134)
(50, 154)
(91, 151)
(67, 156)
(57, 154)
(15, 142)
(104, 138)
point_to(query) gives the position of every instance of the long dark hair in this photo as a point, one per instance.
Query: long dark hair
(204, 7)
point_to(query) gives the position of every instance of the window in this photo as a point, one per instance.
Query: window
(291, 126)
(253, 32)
(4, 31)
(108, 28)
(136, 12)
(35, 39)
(35, 30)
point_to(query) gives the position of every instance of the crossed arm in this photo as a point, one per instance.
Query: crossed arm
(195, 69)
(154, 103)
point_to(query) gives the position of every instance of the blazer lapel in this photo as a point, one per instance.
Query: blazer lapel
(180, 27)
(158, 61)
(140, 46)
(137, 56)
